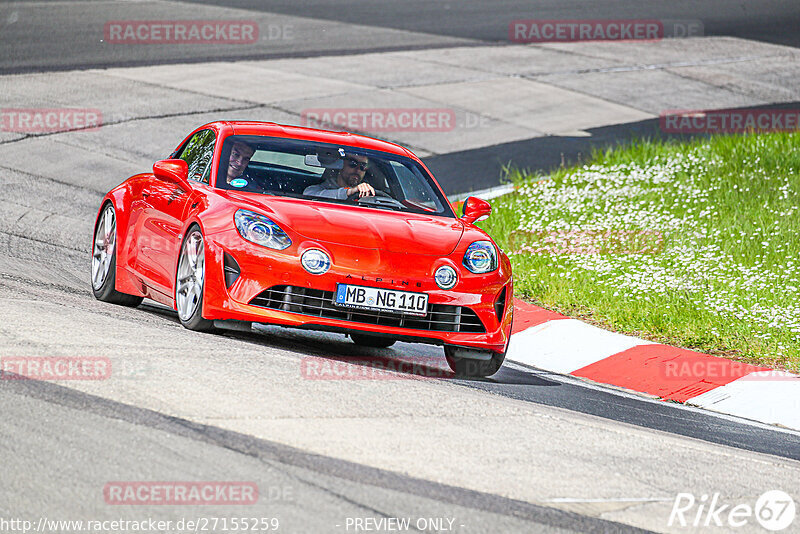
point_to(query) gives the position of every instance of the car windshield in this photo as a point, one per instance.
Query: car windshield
(327, 173)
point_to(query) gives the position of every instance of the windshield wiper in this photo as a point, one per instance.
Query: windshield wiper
(392, 207)
(383, 206)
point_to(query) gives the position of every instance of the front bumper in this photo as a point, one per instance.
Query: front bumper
(484, 300)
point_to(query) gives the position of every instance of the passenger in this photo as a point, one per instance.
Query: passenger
(238, 178)
(346, 182)
(239, 159)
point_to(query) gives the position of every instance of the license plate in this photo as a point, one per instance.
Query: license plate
(376, 298)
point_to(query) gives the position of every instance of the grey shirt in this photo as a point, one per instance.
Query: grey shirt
(327, 189)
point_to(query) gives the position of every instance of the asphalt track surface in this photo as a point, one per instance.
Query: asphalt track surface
(38, 35)
(307, 492)
(524, 451)
(43, 36)
(545, 453)
(774, 22)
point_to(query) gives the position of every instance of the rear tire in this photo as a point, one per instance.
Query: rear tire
(104, 261)
(190, 282)
(472, 368)
(366, 340)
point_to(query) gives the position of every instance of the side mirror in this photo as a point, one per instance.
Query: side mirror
(476, 209)
(175, 170)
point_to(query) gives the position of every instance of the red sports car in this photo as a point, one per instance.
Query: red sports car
(258, 222)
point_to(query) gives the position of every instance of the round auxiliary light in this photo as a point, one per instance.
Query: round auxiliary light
(446, 277)
(315, 261)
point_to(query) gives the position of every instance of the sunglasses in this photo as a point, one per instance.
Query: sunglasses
(357, 164)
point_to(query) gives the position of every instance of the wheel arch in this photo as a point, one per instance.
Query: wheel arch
(213, 258)
(120, 199)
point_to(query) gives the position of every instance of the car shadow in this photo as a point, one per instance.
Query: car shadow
(508, 376)
(154, 308)
(333, 356)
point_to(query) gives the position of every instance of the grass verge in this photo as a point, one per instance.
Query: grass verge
(691, 244)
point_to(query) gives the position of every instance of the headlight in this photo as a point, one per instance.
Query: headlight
(446, 277)
(315, 261)
(260, 230)
(480, 257)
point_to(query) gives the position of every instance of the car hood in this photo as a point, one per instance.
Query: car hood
(355, 226)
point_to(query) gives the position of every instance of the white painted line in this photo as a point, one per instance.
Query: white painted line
(620, 499)
(485, 194)
(565, 345)
(772, 397)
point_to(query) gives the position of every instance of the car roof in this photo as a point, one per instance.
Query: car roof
(311, 134)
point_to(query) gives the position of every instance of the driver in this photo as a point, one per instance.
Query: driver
(346, 182)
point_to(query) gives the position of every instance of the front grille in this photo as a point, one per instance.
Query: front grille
(318, 303)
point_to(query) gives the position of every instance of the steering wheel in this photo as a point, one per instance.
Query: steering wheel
(378, 193)
(381, 198)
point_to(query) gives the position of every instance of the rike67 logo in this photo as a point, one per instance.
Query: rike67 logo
(774, 510)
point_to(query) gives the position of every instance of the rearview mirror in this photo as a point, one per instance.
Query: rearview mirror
(312, 160)
(172, 169)
(327, 158)
(476, 209)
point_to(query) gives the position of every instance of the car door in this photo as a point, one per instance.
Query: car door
(165, 205)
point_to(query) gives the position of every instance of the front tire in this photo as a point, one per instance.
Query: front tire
(104, 261)
(472, 368)
(366, 340)
(190, 282)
